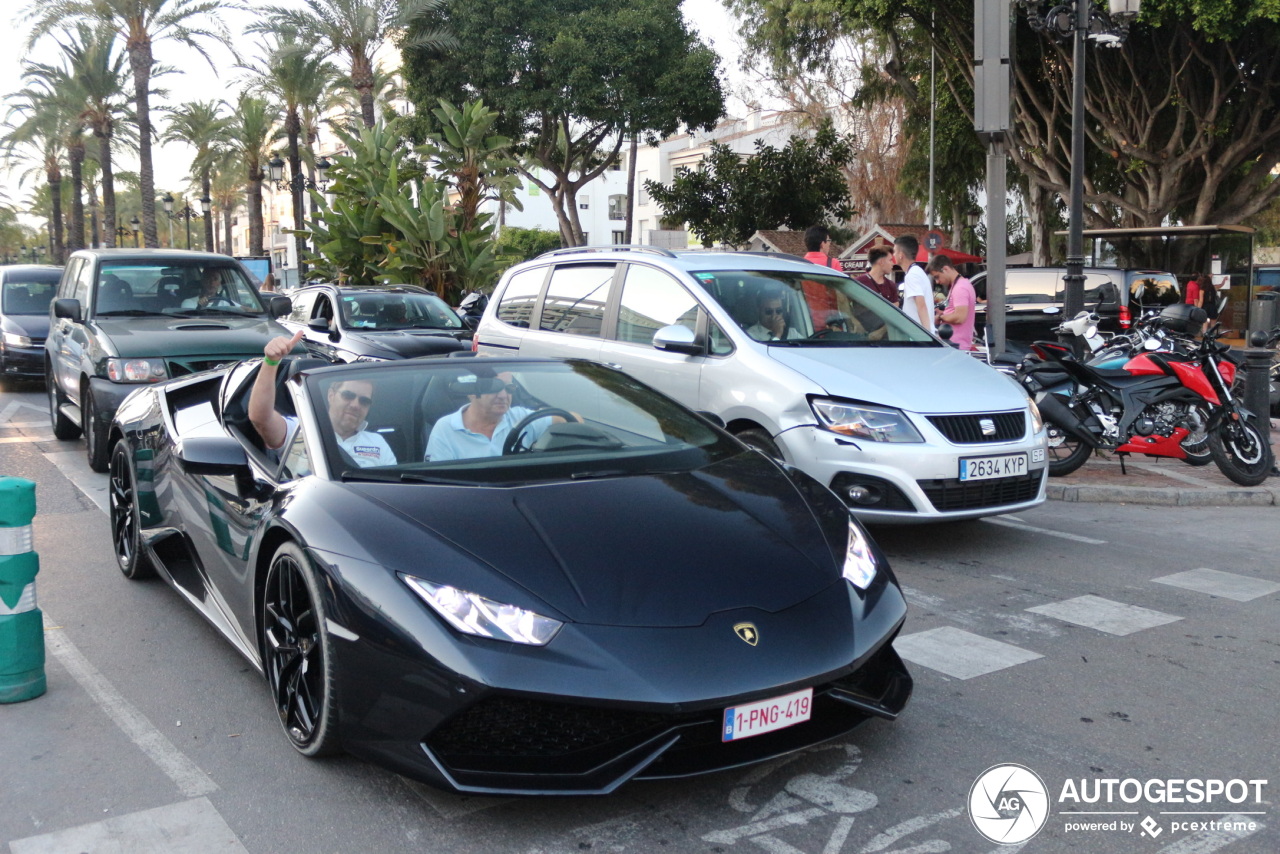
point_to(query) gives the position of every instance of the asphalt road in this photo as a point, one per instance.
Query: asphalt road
(1084, 642)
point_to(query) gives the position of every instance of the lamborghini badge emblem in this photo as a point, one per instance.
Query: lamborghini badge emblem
(748, 632)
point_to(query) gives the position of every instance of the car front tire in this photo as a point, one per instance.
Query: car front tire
(95, 434)
(126, 519)
(64, 429)
(297, 653)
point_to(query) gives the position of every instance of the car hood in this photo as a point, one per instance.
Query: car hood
(917, 379)
(138, 337)
(30, 325)
(407, 344)
(640, 550)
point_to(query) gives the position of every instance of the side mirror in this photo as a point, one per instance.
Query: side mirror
(321, 324)
(213, 455)
(279, 306)
(68, 309)
(677, 339)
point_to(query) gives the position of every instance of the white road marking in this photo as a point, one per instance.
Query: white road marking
(1228, 585)
(13, 406)
(190, 827)
(75, 468)
(1023, 526)
(185, 774)
(1208, 841)
(1114, 618)
(883, 840)
(960, 654)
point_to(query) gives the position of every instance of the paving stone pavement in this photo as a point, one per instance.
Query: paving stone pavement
(1157, 480)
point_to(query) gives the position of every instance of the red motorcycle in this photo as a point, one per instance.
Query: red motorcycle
(1152, 403)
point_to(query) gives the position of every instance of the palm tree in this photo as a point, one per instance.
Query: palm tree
(386, 89)
(140, 23)
(201, 125)
(227, 192)
(355, 29)
(41, 133)
(293, 76)
(254, 129)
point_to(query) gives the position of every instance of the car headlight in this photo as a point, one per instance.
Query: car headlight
(1037, 422)
(473, 614)
(859, 560)
(136, 370)
(15, 340)
(877, 423)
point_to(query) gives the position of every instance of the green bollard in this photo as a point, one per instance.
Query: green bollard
(21, 624)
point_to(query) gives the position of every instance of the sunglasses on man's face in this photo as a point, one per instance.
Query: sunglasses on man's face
(771, 311)
(349, 396)
(509, 388)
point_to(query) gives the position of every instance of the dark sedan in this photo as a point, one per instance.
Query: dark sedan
(606, 587)
(25, 293)
(375, 323)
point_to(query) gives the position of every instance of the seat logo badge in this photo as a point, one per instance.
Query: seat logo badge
(748, 632)
(988, 427)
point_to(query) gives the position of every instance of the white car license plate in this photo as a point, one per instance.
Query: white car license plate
(767, 715)
(985, 468)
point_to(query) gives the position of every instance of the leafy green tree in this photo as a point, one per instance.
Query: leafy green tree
(201, 125)
(356, 29)
(570, 79)
(253, 131)
(728, 198)
(516, 245)
(139, 24)
(293, 75)
(1181, 120)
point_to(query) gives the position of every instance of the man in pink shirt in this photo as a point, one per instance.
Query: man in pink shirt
(961, 300)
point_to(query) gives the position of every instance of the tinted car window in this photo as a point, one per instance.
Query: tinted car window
(302, 306)
(84, 281)
(397, 310)
(29, 293)
(173, 287)
(520, 296)
(576, 299)
(651, 300)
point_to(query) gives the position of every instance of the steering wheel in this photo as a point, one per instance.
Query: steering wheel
(511, 445)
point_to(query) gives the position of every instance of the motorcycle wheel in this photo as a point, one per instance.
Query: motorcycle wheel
(1066, 452)
(1238, 450)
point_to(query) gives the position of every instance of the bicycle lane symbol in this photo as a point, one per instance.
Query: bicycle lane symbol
(808, 798)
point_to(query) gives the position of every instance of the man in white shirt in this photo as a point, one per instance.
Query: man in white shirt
(917, 290)
(349, 403)
(482, 425)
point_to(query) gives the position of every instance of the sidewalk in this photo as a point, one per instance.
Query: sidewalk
(1157, 480)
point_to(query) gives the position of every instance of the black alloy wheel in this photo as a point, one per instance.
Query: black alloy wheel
(126, 521)
(297, 654)
(64, 429)
(95, 434)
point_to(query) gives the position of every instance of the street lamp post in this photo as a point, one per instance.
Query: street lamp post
(295, 185)
(186, 213)
(971, 219)
(1079, 21)
(137, 227)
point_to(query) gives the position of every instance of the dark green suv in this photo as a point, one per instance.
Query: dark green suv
(127, 317)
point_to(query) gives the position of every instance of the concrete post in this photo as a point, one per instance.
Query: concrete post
(21, 623)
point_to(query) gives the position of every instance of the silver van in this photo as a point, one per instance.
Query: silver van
(799, 361)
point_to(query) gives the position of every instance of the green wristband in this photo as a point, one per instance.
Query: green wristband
(270, 361)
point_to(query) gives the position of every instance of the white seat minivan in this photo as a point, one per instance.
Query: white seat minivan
(798, 361)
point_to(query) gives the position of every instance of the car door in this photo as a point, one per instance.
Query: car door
(73, 338)
(320, 344)
(572, 312)
(58, 327)
(650, 300)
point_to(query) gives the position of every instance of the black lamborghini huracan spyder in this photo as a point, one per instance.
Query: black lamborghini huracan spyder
(608, 587)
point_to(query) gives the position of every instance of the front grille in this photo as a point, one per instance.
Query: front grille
(967, 429)
(954, 494)
(179, 367)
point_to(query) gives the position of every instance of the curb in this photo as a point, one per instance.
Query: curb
(1208, 496)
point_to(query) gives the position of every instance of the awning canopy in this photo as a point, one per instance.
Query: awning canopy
(956, 256)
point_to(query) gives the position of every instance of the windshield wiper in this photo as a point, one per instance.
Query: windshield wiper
(131, 312)
(232, 311)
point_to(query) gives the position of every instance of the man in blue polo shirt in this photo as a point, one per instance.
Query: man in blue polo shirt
(481, 426)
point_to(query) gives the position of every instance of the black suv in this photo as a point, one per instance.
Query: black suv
(125, 317)
(1033, 298)
(25, 293)
(376, 323)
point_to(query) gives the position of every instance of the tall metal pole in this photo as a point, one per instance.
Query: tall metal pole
(933, 106)
(186, 214)
(1073, 298)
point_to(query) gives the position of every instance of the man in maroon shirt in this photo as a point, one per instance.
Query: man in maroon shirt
(879, 277)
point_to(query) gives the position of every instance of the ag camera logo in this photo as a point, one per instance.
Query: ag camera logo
(1008, 804)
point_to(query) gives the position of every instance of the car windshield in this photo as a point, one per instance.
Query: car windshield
(487, 421)
(789, 308)
(175, 287)
(381, 310)
(29, 293)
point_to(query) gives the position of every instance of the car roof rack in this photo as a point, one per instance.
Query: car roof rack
(618, 247)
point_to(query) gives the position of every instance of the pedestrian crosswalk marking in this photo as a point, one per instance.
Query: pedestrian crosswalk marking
(960, 654)
(1228, 585)
(1105, 615)
(191, 827)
